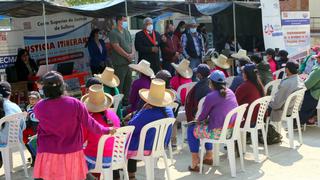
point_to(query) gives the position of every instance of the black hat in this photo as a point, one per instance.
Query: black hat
(271, 52)
(92, 81)
(283, 53)
(5, 89)
(292, 67)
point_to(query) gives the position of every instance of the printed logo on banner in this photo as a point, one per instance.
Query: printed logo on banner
(6, 61)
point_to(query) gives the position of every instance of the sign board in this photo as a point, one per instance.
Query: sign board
(296, 30)
(271, 24)
(10, 42)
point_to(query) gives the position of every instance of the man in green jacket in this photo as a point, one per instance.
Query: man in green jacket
(311, 97)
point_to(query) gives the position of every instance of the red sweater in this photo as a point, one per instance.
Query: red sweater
(247, 93)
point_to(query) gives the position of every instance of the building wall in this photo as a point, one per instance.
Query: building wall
(314, 8)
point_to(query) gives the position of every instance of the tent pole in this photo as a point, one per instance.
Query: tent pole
(234, 27)
(190, 15)
(45, 33)
(126, 7)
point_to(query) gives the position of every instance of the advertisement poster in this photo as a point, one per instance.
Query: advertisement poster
(66, 33)
(10, 42)
(296, 30)
(271, 24)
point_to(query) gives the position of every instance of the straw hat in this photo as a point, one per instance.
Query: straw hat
(96, 100)
(157, 95)
(108, 77)
(143, 67)
(183, 68)
(221, 61)
(241, 54)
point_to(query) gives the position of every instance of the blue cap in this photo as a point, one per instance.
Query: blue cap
(218, 76)
(249, 67)
(202, 69)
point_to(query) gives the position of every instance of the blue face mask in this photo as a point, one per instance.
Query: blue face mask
(125, 25)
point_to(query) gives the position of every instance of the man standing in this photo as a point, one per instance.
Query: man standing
(122, 55)
(147, 43)
(193, 45)
(170, 49)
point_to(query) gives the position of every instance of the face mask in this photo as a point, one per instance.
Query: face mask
(170, 33)
(125, 25)
(182, 29)
(100, 36)
(277, 58)
(150, 28)
(193, 30)
(41, 92)
(238, 70)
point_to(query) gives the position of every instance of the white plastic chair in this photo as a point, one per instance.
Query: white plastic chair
(229, 81)
(318, 113)
(182, 113)
(116, 101)
(174, 106)
(158, 149)
(224, 139)
(14, 141)
(277, 73)
(274, 85)
(119, 159)
(296, 98)
(263, 104)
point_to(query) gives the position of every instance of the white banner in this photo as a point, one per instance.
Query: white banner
(10, 42)
(296, 30)
(271, 24)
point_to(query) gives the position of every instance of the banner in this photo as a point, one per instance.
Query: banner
(10, 42)
(66, 34)
(296, 30)
(271, 24)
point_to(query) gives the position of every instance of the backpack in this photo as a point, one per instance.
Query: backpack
(273, 137)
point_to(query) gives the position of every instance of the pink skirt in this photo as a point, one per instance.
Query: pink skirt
(71, 166)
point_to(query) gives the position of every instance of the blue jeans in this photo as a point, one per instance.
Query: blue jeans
(193, 142)
(194, 62)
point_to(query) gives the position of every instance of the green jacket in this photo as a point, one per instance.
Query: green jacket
(264, 72)
(112, 92)
(313, 82)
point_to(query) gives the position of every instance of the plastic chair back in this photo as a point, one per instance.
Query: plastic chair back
(238, 112)
(263, 106)
(120, 148)
(278, 72)
(187, 86)
(273, 85)
(295, 98)
(229, 81)
(161, 128)
(14, 122)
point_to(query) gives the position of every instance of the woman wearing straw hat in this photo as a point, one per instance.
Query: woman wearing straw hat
(157, 99)
(110, 83)
(217, 105)
(146, 73)
(221, 64)
(183, 76)
(98, 104)
(60, 139)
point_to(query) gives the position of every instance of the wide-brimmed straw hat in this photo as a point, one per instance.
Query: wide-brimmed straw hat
(183, 68)
(108, 77)
(96, 100)
(221, 61)
(241, 54)
(143, 67)
(157, 95)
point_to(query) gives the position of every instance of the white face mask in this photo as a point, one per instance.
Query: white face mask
(193, 30)
(41, 92)
(277, 58)
(182, 29)
(238, 70)
(150, 28)
(100, 36)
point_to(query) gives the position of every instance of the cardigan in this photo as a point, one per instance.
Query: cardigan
(61, 122)
(244, 96)
(176, 82)
(313, 82)
(93, 138)
(142, 83)
(216, 108)
(143, 117)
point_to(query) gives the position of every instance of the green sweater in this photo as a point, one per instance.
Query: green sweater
(112, 92)
(313, 82)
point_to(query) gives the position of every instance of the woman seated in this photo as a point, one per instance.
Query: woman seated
(145, 73)
(238, 80)
(157, 100)
(312, 95)
(221, 64)
(252, 82)
(263, 69)
(217, 105)
(183, 76)
(98, 104)
(290, 84)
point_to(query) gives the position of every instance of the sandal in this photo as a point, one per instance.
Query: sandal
(208, 162)
(195, 169)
